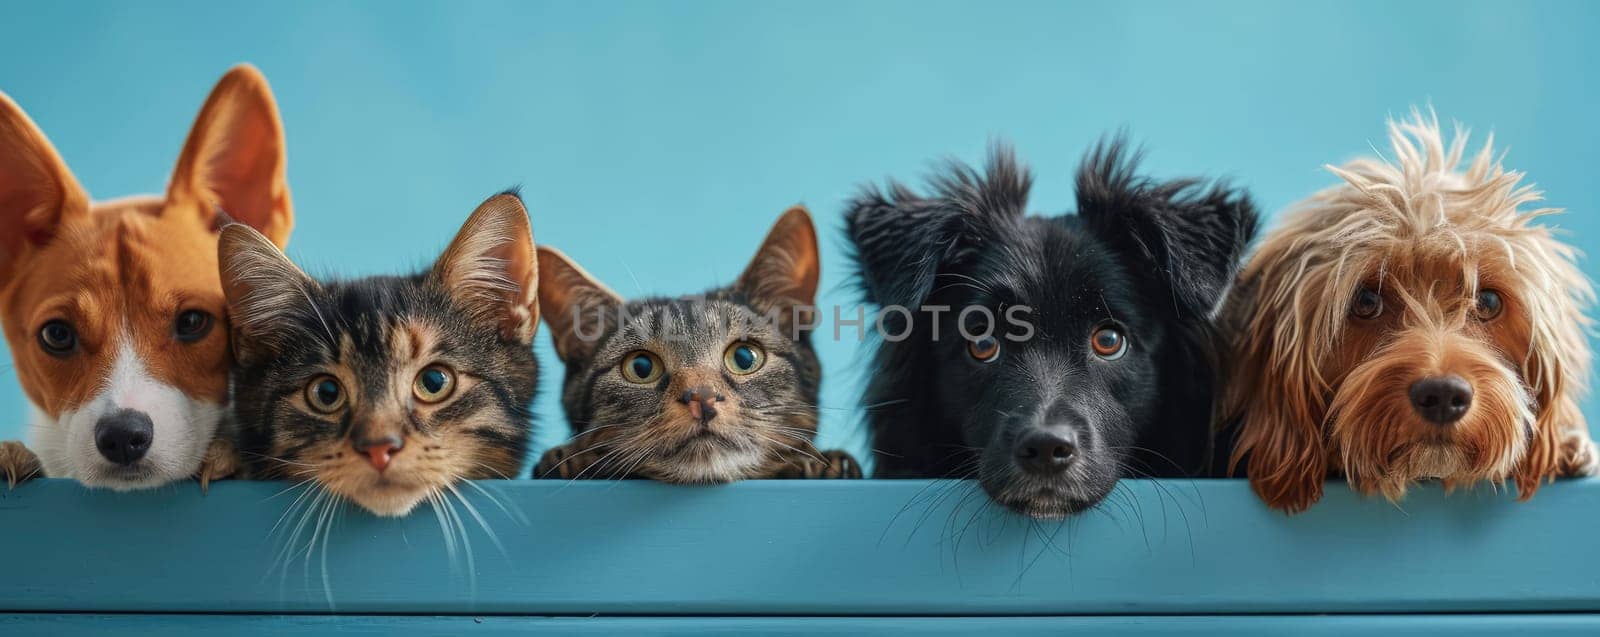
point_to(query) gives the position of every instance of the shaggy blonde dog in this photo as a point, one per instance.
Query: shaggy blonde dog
(1411, 323)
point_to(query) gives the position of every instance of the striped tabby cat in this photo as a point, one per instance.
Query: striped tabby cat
(706, 389)
(387, 390)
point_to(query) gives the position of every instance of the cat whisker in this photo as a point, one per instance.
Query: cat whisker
(631, 456)
(291, 487)
(304, 507)
(436, 503)
(466, 543)
(510, 509)
(589, 432)
(275, 459)
(473, 511)
(570, 456)
(630, 463)
(335, 508)
(620, 446)
(809, 454)
(310, 488)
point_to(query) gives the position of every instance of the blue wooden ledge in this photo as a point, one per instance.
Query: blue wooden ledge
(1120, 626)
(831, 548)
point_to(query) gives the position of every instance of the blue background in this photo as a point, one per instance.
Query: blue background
(656, 142)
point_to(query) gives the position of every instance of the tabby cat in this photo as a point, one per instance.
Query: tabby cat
(388, 390)
(707, 389)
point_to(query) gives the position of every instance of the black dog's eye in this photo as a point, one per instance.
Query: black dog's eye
(1368, 304)
(1108, 343)
(985, 349)
(192, 325)
(58, 338)
(1489, 305)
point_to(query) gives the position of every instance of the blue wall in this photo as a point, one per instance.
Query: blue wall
(657, 141)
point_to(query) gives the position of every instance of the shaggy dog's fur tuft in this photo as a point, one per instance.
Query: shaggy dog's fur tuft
(1411, 270)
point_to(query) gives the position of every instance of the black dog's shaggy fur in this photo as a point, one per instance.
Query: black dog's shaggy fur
(1148, 259)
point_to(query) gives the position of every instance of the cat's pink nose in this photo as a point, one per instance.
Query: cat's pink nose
(381, 451)
(701, 403)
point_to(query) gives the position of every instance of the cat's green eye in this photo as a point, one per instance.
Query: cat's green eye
(325, 394)
(744, 357)
(642, 367)
(434, 383)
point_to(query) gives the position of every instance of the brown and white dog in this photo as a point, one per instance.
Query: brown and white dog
(114, 311)
(1411, 323)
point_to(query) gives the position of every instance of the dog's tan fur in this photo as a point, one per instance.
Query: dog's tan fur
(1317, 391)
(119, 271)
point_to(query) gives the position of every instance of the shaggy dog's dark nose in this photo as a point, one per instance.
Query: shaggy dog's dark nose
(1441, 400)
(124, 436)
(1046, 450)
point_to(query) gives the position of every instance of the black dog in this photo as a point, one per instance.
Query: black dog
(1088, 351)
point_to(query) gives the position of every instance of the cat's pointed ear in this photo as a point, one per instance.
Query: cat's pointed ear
(786, 268)
(234, 159)
(37, 192)
(490, 269)
(1190, 237)
(265, 291)
(578, 307)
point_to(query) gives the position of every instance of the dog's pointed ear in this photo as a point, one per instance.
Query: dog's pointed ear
(37, 192)
(902, 241)
(785, 271)
(234, 160)
(1190, 236)
(266, 293)
(579, 309)
(491, 270)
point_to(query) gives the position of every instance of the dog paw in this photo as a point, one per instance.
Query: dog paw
(1578, 456)
(221, 462)
(18, 464)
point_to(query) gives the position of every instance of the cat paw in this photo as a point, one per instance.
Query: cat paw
(556, 463)
(832, 464)
(17, 464)
(841, 465)
(221, 462)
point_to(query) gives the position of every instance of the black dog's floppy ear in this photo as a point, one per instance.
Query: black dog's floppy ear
(901, 240)
(1191, 235)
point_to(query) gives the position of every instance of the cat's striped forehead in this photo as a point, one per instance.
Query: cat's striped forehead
(691, 321)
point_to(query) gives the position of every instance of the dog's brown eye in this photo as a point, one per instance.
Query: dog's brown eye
(642, 367)
(1108, 343)
(1489, 304)
(1368, 304)
(192, 326)
(985, 349)
(58, 338)
(325, 394)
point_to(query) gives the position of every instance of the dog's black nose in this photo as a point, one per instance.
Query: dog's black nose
(1046, 450)
(124, 436)
(1441, 400)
